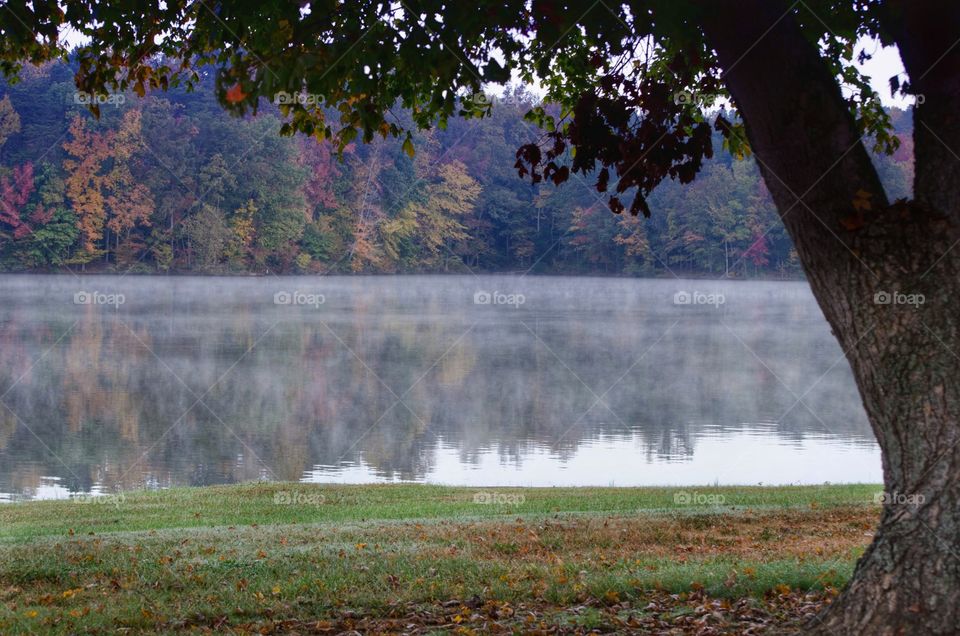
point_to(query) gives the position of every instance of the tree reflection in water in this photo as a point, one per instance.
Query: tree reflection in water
(207, 380)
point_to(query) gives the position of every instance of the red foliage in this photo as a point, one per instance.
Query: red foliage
(15, 191)
(324, 170)
(758, 251)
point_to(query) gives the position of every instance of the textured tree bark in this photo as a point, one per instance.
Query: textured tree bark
(927, 33)
(868, 270)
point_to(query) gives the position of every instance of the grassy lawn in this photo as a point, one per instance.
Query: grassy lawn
(294, 558)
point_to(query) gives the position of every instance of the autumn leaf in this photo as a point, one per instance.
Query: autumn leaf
(853, 222)
(861, 200)
(235, 94)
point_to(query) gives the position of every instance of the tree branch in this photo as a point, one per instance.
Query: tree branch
(927, 32)
(805, 140)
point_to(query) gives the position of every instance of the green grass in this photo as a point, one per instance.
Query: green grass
(257, 503)
(240, 557)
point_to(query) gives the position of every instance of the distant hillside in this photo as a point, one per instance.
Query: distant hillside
(170, 182)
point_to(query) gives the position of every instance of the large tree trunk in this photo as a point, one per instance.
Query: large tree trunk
(904, 355)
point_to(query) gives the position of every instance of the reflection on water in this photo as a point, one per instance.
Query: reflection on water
(587, 381)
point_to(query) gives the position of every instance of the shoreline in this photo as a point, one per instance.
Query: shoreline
(334, 502)
(518, 274)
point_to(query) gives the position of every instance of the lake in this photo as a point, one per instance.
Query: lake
(117, 382)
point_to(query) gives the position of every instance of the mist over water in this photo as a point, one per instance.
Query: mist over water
(111, 383)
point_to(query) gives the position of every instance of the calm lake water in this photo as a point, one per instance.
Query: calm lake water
(111, 383)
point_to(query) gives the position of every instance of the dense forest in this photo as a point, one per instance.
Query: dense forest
(168, 182)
